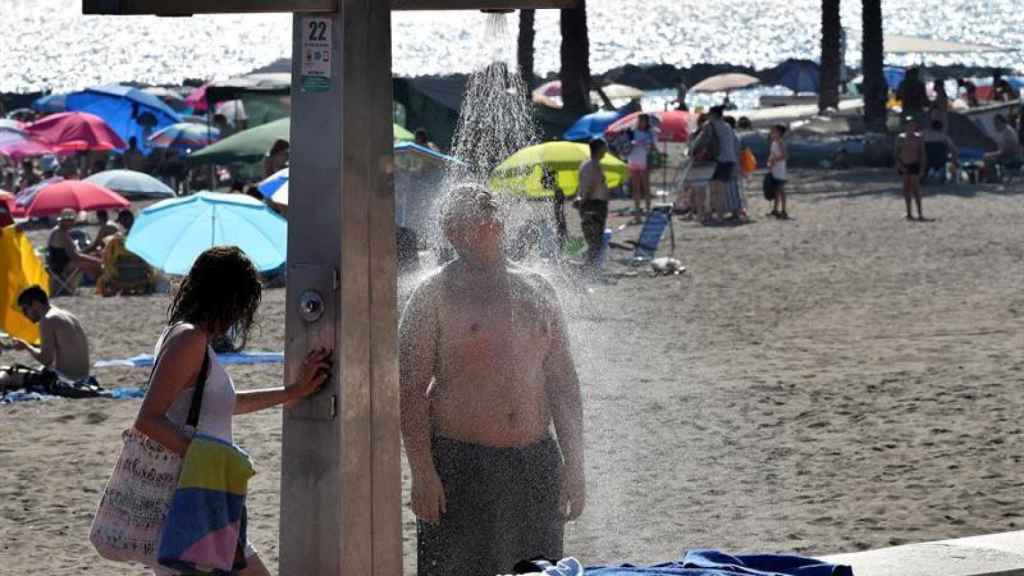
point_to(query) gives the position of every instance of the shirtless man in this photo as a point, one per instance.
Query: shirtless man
(485, 372)
(910, 164)
(64, 347)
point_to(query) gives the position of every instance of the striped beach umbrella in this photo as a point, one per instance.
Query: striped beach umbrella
(184, 136)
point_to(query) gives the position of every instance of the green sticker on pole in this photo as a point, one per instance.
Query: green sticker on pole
(317, 56)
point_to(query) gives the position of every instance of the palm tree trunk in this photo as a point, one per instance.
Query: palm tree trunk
(831, 28)
(873, 55)
(575, 72)
(524, 50)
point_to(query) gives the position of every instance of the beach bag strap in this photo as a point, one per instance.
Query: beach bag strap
(197, 394)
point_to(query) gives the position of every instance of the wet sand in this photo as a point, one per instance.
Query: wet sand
(843, 381)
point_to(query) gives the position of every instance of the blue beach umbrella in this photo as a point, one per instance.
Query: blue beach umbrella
(894, 76)
(593, 125)
(171, 234)
(50, 104)
(275, 187)
(798, 75)
(128, 111)
(131, 184)
(184, 136)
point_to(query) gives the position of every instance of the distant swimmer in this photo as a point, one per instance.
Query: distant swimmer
(910, 164)
(485, 372)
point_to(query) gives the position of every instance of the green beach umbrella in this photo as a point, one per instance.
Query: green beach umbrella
(252, 144)
(520, 174)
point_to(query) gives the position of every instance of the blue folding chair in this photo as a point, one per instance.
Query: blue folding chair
(646, 246)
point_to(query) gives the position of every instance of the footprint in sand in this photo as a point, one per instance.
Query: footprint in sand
(96, 417)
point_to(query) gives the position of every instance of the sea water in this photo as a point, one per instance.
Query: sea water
(49, 45)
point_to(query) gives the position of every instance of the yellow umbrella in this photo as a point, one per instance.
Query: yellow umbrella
(520, 174)
(19, 269)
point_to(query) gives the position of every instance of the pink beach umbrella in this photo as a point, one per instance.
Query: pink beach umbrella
(78, 195)
(17, 146)
(196, 99)
(75, 131)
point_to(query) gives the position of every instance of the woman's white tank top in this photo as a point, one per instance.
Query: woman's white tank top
(218, 405)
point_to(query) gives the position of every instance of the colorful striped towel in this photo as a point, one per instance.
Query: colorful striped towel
(205, 527)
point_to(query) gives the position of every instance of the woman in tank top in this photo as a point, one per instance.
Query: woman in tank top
(221, 291)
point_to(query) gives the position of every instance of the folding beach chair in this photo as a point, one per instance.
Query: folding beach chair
(64, 283)
(646, 246)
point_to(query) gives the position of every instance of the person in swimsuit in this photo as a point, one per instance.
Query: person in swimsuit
(910, 164)
(485, 373)
(221, 291)
(62, 252)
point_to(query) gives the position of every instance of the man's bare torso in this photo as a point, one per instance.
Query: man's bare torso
(910, 147)
(493, 334)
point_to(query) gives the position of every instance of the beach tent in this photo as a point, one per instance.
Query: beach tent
(130, 112)
(19, 269)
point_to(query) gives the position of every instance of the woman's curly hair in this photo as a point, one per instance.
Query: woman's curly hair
(221, 291)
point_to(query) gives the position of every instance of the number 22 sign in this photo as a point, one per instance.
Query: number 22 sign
(316, 47)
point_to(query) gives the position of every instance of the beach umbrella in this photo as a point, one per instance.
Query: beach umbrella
(252, 144)
(12, 125)
(81, 196)
(184, 136)
(75, 131)
(798, 75)
(520, 174)
(22, 114)
(19, 145)
(672, 125)
(550, 93)
(128, 111)
(196, 99)
(131, 184)
(408, 158)
(725, 83)
(245, 146)
(275, 187)
(170, 97)
(592, 125)
(171, 234)
(50, 104)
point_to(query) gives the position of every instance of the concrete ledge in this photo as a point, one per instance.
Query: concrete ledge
(992, 555)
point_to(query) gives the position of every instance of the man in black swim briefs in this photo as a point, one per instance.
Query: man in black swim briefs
(486, 373)
(910, 163)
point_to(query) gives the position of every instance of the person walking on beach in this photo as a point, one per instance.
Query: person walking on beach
(910, 164)
(222, 291)
(593, 200)
(727, 156)
(64, 347)
(642, 141)
(485, 371)
(777, 167)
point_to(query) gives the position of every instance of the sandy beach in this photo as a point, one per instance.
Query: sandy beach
(842, 381)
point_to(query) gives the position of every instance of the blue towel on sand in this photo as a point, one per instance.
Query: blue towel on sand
(113, 394)
(143, 360)
(714, 563)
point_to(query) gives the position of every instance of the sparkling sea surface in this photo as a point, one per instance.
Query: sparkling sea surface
(49, 45)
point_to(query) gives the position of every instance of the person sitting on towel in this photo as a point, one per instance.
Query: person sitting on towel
(485, 373)
(64, 348)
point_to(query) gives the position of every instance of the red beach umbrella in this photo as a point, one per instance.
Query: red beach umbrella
(673, 125)
(78, 195)
(75, 131)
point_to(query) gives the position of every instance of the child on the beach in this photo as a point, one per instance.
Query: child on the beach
(777, 166)
(910, 164)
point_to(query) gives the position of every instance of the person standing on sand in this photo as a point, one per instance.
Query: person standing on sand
(221, 291)
(485, 371)
(777, 167)
(910, 164)
(643, 140)
(593, 200)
